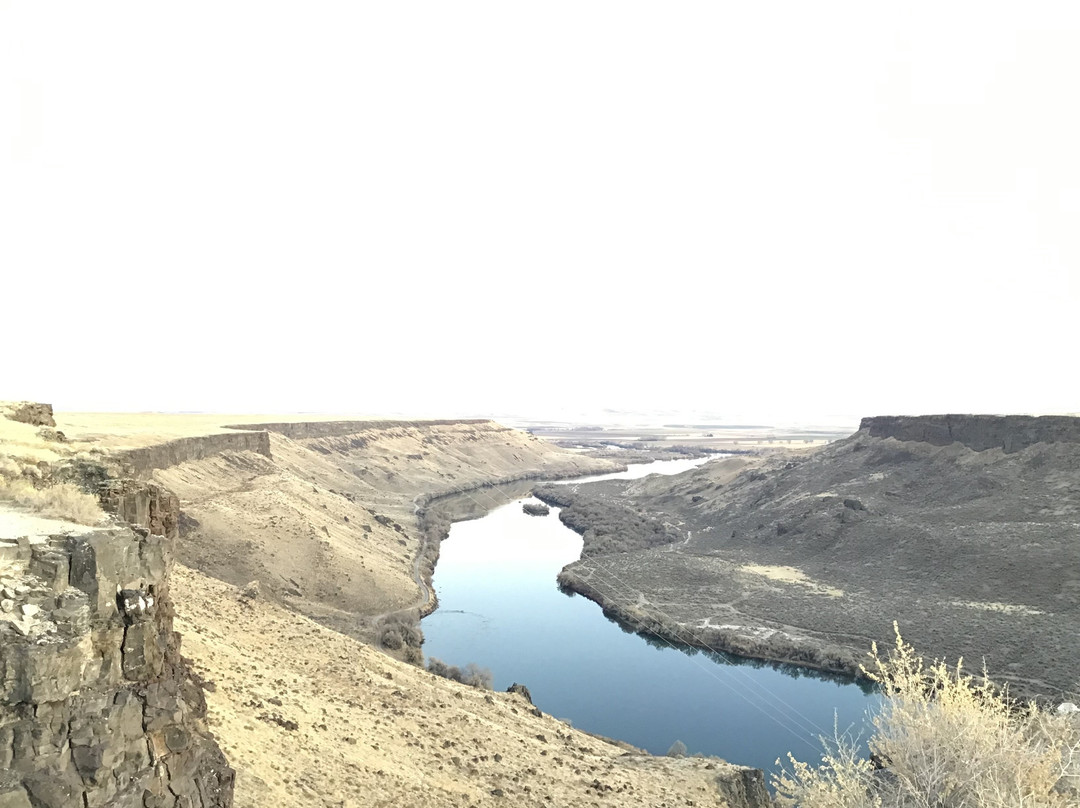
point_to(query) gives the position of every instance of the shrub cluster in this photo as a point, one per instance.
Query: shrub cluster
(471, 674)
(606, 527)
(400, 630)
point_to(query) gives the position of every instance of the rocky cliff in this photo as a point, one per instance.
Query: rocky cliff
(1010, 433)
(97, 708)
(143, 461)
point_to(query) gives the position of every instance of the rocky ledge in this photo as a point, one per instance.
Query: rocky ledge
(97, 708)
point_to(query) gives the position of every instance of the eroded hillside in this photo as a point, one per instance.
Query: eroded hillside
(963, 529)
(309, 716)
(329, 521)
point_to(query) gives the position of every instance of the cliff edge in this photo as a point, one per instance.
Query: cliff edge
(97, 707)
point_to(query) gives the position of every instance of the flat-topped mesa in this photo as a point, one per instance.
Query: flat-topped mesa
(1010, 433)
(329, 429)
(96, 705)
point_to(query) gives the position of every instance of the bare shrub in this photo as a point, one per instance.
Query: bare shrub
(60, 501)
(475, 676)
(400, 630)
(471, 674)
(945, 739)
(390, 637)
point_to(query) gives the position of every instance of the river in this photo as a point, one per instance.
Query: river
(501, 609)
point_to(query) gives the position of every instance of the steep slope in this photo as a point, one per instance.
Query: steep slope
(964, 529)
(311, 717)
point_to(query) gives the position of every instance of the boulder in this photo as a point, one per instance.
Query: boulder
(521, 690)
(250, 591)
(28, 412)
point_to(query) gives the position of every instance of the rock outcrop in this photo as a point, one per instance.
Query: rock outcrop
(28, 412)
(97, 707)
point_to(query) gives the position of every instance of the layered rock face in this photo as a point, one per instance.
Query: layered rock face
(96, 705)
(1010, 433)
(141, 462)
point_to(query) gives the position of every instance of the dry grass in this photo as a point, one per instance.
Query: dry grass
(21, 442)
(791, 575)
(60, 501)
(25, 458)
(948, 740)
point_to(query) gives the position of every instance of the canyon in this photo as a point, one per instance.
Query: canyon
(278, 550)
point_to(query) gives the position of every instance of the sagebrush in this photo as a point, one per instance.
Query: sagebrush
(944, 739)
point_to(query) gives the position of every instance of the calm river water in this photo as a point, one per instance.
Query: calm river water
(501, 609)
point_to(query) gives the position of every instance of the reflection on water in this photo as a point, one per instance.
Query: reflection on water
(501, 609)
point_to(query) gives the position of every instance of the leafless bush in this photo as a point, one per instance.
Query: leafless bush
(400, 630)
(471, 674)
(944, 739)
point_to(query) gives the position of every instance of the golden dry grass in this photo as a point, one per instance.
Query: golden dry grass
(60, 501)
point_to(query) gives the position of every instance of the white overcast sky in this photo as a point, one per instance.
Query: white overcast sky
(790, 209)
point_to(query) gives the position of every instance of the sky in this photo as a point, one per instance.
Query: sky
(789, 211)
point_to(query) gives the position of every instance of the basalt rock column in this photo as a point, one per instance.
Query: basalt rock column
(97, 708)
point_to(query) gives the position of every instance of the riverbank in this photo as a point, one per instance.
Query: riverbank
(768, 644)
(811, 558)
